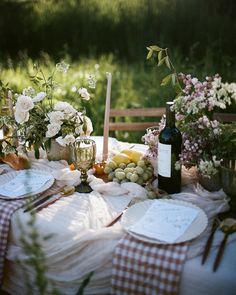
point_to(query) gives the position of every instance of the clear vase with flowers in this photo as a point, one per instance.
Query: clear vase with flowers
(39, 119)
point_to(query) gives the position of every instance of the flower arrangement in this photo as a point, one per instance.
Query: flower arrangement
(150, 138)
(202, 135)
(205, 140)
(38, 118)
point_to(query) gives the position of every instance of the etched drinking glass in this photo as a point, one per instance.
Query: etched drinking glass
(83, 154)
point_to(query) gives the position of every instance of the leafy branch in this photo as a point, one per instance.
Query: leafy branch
(3, 89)
(31, 242)
(163, 58)
(46, 83)
(32, 246)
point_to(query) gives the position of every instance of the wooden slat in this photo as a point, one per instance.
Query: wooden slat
(224, 117)
(135, 126)
(137, 112)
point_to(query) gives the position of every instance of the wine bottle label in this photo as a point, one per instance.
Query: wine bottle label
(164, 159)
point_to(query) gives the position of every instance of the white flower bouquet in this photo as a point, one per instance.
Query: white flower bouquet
(37, 119)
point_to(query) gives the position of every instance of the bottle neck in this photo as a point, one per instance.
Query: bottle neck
(170, 115)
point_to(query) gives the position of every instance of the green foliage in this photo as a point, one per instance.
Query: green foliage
(227, 141)
(31, 241)
(35, 259)
(85, 283)
(163, 58)
(200, 30)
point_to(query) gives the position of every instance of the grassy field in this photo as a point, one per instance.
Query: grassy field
(133, 85)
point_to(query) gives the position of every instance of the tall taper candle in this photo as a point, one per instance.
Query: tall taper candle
(106, 118)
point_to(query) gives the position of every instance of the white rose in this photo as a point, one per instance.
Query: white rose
(64, 107)
(21, 117)
(66, 140)
(60, 106)
(24, 103)
(40, 96)
(69, 110)
(56, 117)
(83, 92)
(53, 129)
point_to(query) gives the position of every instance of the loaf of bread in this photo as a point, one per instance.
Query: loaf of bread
(17, 162)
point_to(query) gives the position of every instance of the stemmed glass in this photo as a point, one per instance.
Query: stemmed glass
(83, 154)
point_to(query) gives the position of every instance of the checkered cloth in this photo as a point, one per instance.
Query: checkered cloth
(147, 268)
(7, 208)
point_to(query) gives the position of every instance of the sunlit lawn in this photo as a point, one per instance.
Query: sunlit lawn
(133, 85)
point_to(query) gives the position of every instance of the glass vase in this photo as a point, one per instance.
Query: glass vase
(211, 183)
(57, 152)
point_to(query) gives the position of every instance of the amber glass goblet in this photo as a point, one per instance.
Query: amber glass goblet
(83, 154)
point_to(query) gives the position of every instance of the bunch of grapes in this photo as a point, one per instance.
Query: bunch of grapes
(139, 173)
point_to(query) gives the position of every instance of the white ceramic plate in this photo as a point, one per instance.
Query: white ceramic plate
(134, 213)
(9, 177)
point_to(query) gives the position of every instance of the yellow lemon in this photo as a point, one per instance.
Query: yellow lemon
(121, 158)
(127, 152)
(136, 156)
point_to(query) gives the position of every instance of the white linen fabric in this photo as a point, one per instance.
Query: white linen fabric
(81, 243)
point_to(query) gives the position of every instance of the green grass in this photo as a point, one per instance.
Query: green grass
(133, 85)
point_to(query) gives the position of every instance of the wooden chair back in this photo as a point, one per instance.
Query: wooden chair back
(225, 117)
(120, 118)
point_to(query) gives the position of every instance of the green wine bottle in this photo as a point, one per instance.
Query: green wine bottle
(169, 149)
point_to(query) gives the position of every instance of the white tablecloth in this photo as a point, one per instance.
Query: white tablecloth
(81, 243)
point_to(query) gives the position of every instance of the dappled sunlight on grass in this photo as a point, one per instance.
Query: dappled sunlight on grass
(133, 84)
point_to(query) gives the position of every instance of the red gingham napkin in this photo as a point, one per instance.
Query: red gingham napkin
(147, 268)
(7, 208)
